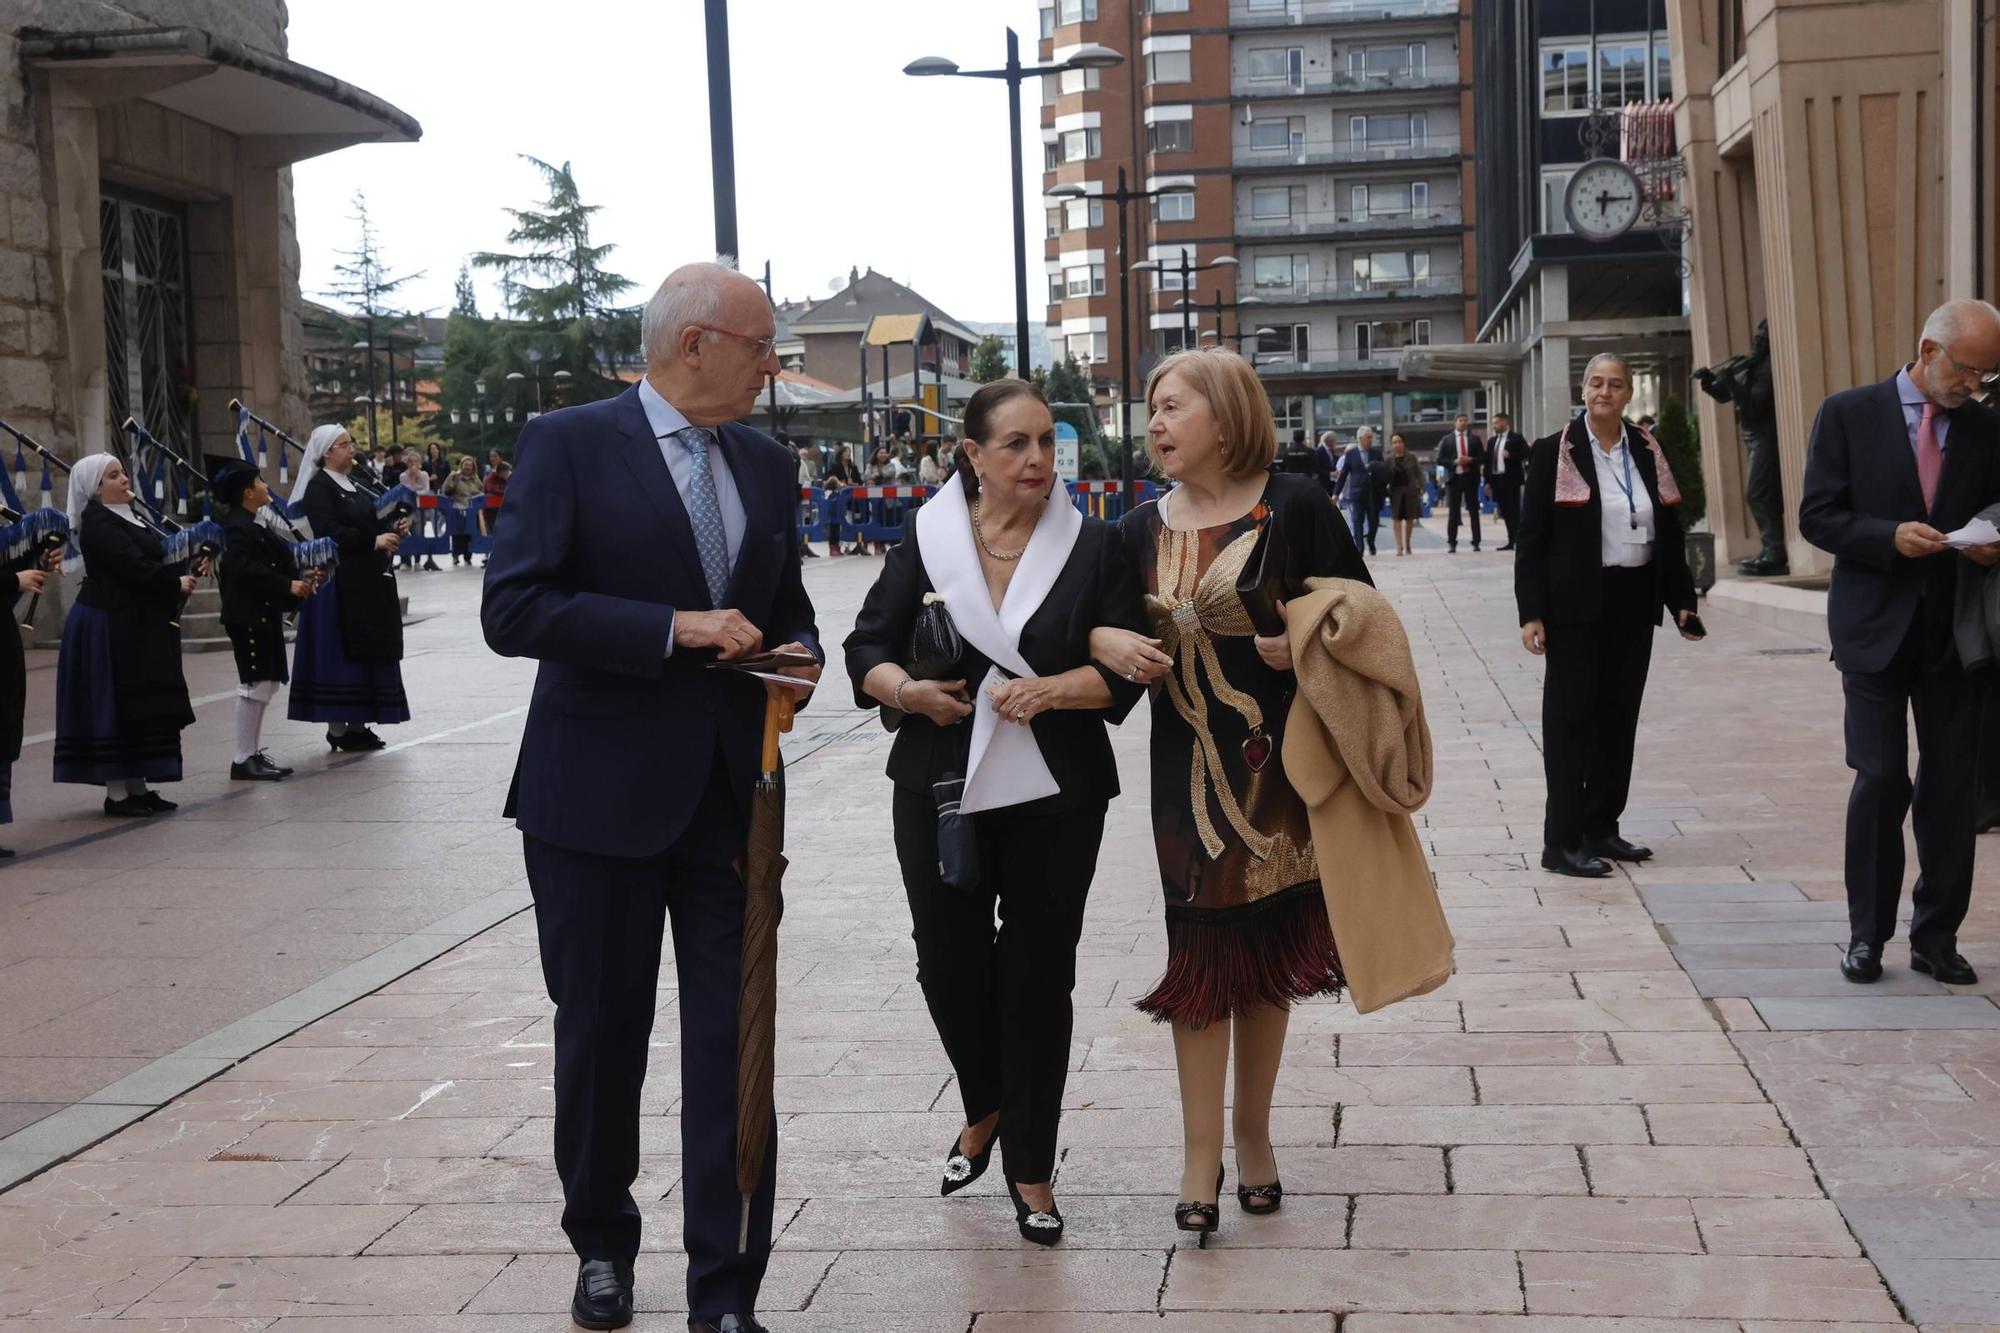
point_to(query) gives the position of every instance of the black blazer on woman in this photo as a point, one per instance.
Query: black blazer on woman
(1559, 560)
(125, 573)
(371, 615)
(256, 572)
(1096, 587)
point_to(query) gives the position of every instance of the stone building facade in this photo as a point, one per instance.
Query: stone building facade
(149, 261)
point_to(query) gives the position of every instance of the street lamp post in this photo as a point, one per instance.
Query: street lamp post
(1122, 197)
(1187, 270)
(1219, 305)
(1089, 56)
(480, 416)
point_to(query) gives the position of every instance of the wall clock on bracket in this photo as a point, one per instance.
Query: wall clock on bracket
(1602, 201)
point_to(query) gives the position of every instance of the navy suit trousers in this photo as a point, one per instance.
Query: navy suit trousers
(601, 920)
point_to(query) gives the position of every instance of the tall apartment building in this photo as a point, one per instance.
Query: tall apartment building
(1327, 145)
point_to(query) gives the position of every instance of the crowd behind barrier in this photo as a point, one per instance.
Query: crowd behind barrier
(853, 515)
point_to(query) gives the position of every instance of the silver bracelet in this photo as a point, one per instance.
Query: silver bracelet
(896, 695)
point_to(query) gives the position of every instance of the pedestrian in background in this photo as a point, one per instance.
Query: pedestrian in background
(1506, 463)
(1352, 480)
(1461, 457)
(1890, 613)
(1406, 492)
(462, 486)
(1601, 557)
(1378, 482)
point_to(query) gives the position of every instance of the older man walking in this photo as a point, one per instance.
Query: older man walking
(1892, 468)
(644, 538)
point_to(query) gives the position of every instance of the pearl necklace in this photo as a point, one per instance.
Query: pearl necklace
(980, 533)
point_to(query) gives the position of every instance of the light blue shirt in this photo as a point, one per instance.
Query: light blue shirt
(1913, 412)
(665, 421)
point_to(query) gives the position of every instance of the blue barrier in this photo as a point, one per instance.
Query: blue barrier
(851, 515)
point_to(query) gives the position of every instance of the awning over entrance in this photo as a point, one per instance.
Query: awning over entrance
(1458, 362)
(283, 111)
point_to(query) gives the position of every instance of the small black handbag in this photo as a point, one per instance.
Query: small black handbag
(935, 650)
(1262, 584)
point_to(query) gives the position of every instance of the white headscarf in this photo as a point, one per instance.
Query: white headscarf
(317, 444)
(84, 479)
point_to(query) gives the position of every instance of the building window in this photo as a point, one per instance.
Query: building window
(1393, 131)
(1049, 19)
(1087, 348)
(1055, 222)
(1173, 208)
(1288, 413)
(1280, 135)
(1077, 11)
(1663, 70)
(1565, 80)
(1348, 410)
(1079, 80)
(1051, 155)
(1278, 63)
(1428, 405)
(1621, 73)
(1169, 273)
(1081, 213)
(1272, 271)
(1167, 6)
(1055, 288)
(1555, 183)
(1170, 136)
(1167, 341)
(1081, 145)
(1301, 342)
(1731, 42)
(1271, 202)
(1084, 280)
(1168, 67)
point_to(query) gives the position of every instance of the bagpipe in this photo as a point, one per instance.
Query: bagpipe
(44, 529)
(310, 555)
(193, 545)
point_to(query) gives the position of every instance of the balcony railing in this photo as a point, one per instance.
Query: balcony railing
(1346, 222)
(1318, 83)
(1281, 363)
(1351, 289)
(1295, 12)
(1323, 152)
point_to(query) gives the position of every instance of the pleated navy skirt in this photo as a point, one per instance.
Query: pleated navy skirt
(92, 746)
(330, 686)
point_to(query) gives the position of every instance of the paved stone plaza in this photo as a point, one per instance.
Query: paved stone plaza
(1646, 1104)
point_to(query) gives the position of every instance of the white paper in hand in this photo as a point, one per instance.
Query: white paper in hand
(1979, 532)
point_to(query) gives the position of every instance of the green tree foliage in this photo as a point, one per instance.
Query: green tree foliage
(989, 360)
(1680, 439)
(363, 287)
(559, 291)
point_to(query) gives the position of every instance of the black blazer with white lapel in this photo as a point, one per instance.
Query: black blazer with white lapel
(592, 554)
(1559, 550)
(1860, 485)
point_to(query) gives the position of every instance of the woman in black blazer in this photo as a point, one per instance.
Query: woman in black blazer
(1600, 556)
(1025, 736)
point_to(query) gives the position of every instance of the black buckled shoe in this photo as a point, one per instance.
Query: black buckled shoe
(1571, 861)
(257, 768)
(129, 807)
(1947, 965)
(1862, 963)
(962, 1168)
(157, 803)
(1615, 848)
(729, 1323)
(603, 1294)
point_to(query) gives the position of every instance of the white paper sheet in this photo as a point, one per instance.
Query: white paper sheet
(1979, 532)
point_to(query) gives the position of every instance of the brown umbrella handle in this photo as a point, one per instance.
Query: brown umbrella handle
(778, 705)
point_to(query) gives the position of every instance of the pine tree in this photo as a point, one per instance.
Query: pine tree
(557, 285)
(989, 360)
(464, 300)
(364, 285)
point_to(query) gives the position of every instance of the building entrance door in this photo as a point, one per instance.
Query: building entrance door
(148, 354)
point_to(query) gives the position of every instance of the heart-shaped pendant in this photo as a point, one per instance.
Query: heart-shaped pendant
(1257, 750)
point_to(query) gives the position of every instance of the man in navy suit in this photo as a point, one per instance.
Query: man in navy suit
(1891, 469)
(645, 537)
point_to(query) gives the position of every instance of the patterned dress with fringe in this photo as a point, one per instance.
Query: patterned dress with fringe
(1246, 920)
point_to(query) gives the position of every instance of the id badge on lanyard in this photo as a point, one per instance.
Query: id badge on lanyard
(1634, 534)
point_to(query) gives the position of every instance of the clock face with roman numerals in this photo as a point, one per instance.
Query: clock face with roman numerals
(1602, 201)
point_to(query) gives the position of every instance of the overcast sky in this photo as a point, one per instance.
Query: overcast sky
(841, 159)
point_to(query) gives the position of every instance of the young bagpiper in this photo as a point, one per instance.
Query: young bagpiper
(259, 585)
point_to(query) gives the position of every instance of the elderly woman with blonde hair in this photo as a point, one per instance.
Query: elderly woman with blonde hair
(1247, 927)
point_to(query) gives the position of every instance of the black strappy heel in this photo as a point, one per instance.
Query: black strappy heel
(1261, 1200)
(1204, 1219)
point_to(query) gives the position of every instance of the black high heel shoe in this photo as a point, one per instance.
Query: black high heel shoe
(961, 1170)
(1261, 1200)
(1039, 1227)
(1202, 1218)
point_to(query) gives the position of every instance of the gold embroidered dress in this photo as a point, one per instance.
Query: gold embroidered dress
(1246, 920)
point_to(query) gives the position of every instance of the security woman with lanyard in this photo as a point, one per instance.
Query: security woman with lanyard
(1600, 557)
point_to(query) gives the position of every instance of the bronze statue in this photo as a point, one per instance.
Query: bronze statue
(1746, 381)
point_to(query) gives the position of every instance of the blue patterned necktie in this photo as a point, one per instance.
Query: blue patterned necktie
(705, 513)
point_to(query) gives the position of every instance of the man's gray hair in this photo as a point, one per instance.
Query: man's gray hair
(1954, 319)
(1366, 431)
(1328, 438)
(692, 294)
(1623, 364)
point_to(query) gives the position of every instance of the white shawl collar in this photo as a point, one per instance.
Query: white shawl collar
(1006, 765)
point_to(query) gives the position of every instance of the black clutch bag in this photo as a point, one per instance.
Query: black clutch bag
(1261, 585)
(935, 650)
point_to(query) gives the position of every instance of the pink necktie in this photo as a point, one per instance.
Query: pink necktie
(1930, 458)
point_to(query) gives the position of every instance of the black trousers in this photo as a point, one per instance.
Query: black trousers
(1464, 491)
(1507, 502)
(1000, 999)
(1591, 692)
(1925, 678)
(600, 921)
(1375, 498)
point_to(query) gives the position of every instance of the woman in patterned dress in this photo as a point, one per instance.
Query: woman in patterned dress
(1247, 929)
